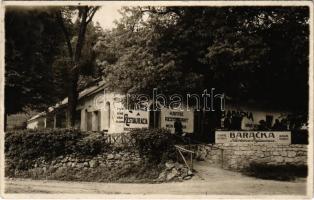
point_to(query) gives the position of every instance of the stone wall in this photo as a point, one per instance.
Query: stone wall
(109, 160)
(239, 156)
(116, 166)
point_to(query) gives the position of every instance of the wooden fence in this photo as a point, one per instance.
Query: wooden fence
(120, 139)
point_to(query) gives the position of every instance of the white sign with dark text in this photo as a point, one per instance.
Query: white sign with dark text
(134, 119)
(168, 117)
(280, 137)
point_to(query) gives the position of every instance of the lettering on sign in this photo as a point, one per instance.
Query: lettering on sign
(119, 115)
(134, 119)
(280, 137)
(233, 113)
(168, 117)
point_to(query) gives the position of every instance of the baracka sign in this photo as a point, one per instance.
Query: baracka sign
(168, 117)
(280, 137)
(134, 119)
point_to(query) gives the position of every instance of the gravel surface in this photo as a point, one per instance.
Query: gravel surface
(208, 180)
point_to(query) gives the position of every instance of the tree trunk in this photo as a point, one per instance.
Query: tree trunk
(86, 14)
(72, 100)
(5, 121)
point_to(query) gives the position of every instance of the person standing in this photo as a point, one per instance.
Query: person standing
(178, 127)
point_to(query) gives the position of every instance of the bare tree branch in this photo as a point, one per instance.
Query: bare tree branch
(93, 11)
(153, 10)
(81, 34)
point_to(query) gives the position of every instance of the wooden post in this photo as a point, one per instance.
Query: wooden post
(55, 120)
(191, 161)
(45, 121)
(222, 158)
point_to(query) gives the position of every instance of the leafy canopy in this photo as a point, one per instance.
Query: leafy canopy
(249, 53)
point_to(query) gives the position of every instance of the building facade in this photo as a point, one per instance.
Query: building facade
(99, 110)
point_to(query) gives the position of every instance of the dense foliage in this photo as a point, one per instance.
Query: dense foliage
(276, 172)
(36, 153)
(27, 145)
(155, 145)
(32, 42)
(250, 53)
(37, 60)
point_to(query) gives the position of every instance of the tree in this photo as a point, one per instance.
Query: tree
(84, 15)
(31, 45)
(250, 53)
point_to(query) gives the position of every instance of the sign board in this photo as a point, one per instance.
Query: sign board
(279, 137)
(168, 117)
(134, 119)
(118, 115)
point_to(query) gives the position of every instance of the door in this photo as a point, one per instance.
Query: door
(89, 121)
(97, 120)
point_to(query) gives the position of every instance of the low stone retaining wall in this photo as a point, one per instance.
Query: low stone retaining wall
(116, 166)
(239, 156)
(106, 160)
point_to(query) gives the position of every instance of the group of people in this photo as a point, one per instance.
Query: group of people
(233, 123)
(283, 124)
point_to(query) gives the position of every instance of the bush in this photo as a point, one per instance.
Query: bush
(155, 145)
(300, 137)
(276, 172)
(93, 144)
(30, 144)
(27, 145)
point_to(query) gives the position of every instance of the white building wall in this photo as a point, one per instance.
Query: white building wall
(32, 125)
(122, 120)
(38, 123)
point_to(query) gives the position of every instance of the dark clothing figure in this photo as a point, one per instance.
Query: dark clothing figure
(227, 123)
(236, 121)
(178, 127)
(262, 126)
(277, 125)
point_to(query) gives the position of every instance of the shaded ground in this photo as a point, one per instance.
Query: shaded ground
(208, 181)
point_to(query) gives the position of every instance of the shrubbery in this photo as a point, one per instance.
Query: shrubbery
(50, 143)
(68, 154)
(276, 172)
(300, 137)
(155, 145)
(92, 144)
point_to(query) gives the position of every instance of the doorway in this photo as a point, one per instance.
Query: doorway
(97, 117)
(89, 121)
(154, 118)
(107, 116)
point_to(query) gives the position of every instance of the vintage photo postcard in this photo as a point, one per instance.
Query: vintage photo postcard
(156, 99)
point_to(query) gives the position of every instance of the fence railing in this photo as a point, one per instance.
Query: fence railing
(119, 139)
(186, 156)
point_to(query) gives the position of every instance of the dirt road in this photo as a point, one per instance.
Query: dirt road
(208, 181)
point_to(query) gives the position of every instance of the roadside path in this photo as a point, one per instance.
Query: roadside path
(208, 181)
